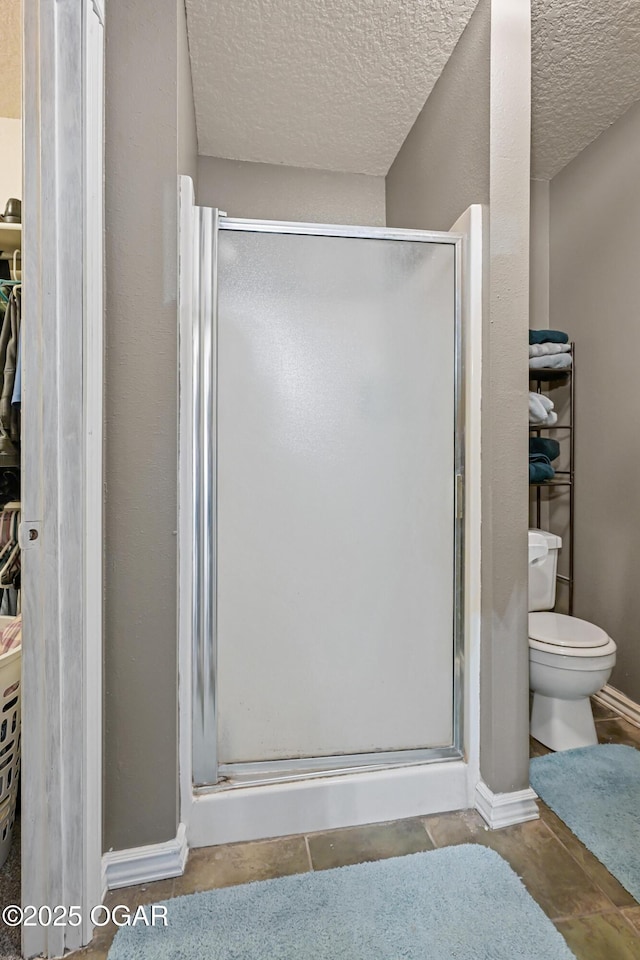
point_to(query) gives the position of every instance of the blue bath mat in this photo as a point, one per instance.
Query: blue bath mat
(596, 791)
(458, 903)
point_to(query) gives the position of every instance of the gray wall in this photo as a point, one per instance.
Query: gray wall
(539, 235)
(187, 133)
(595, 294)
(267, 191)
(471, 144)
(140, 744)
(443, 165)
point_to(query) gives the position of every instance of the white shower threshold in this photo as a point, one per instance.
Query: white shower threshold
(325, 800)
(234, 775)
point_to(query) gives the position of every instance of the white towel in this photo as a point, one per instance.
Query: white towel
(557, 361)
(541, 412)
(546, 349)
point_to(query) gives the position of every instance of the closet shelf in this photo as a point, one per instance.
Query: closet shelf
(10, 237)
(556, 426)
(563, 479)
(551, 483)
(547, 375)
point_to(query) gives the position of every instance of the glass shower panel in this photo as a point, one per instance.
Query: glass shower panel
(335, 511)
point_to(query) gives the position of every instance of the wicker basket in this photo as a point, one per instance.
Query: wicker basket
(10, 690)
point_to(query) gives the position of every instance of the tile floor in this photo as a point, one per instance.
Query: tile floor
(596, 916)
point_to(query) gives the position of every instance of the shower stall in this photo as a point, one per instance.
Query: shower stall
(324, 652)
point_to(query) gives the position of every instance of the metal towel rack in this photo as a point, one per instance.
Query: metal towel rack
(563, 478)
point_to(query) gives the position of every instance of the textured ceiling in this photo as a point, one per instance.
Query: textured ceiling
(330, 84)
(11, 59)
(586, 74)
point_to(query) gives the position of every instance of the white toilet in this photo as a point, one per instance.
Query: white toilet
(569, 659)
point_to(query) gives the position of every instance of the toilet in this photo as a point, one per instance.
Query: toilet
(569, 659)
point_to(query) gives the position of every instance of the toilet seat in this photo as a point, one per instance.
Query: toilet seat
(563, 631)
(560, 635)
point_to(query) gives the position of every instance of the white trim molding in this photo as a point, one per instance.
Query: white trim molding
(98, 9)
(156, 861)
(620, 702)
(504, 809)
(186, 215)
(470, 225)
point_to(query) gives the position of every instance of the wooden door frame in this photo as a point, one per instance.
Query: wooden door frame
(62, 350)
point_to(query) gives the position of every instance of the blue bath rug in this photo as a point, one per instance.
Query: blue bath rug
(457, 903)
(596, 791)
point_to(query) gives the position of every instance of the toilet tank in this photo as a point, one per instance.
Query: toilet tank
(543, 566)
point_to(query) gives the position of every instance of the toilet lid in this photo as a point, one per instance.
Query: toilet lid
(562, 631)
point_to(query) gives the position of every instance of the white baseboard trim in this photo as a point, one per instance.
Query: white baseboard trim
(504, 809)
(615, 700)
(156, 861)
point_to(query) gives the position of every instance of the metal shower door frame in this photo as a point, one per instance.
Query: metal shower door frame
(199, 325)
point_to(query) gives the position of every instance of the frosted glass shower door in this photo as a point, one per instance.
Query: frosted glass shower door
(336, 462)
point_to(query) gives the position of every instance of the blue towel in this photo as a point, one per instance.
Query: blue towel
(548, 336)
(540, 470)
(545, 446)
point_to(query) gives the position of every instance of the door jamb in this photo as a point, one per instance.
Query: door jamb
(63, 47)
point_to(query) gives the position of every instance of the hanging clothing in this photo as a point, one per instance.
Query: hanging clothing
(9, 549)
(9, 336)
(16, 396)
(10, 602)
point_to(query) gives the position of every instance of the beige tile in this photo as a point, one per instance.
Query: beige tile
(132, 897)
(450, 829)
(600, 712)
(537, 749)
(590, 864)
(89, 953)
(552, 879)
(605, 936)
(225, 866)
(618, 731)
(549, 872)
(633, 917)
(377, 841)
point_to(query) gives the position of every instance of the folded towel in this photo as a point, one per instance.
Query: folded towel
(545, 349)
(539, 407)
(548, 336)
(540, 471)
(544, 446)
(558, 361)
(541, 412)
